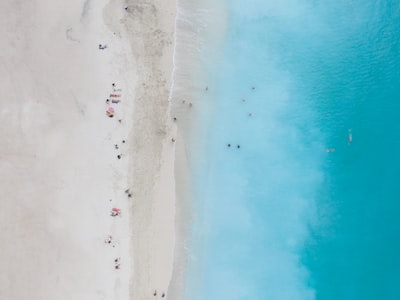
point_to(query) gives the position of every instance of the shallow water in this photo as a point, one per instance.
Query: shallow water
(279, 217)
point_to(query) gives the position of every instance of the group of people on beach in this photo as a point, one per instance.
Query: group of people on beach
(111, 102)
(155, 294)
(114, 98)
(109, 240)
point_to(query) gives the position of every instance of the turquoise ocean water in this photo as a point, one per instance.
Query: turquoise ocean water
(280, 217)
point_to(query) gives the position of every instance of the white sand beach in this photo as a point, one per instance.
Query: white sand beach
(60, 174)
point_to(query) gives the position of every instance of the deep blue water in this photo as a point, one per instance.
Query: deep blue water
(280, 217)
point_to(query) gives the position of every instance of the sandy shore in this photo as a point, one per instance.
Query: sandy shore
(60, 175)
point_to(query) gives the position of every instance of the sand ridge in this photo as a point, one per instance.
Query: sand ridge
(150, 26)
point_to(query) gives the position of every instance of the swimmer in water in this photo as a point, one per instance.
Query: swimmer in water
(350, 139)
(330, 150)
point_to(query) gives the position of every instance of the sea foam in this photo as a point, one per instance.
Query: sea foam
(254, 150)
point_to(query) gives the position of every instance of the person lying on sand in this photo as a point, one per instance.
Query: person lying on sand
(102, 47)
(115, 212)
(108, 240)
(110, 114)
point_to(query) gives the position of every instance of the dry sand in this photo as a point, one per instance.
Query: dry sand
(59, 171)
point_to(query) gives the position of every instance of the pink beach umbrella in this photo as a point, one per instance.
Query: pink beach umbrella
(111, 110)
(115, 212)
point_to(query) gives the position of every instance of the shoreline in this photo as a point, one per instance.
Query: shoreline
(196, 25)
